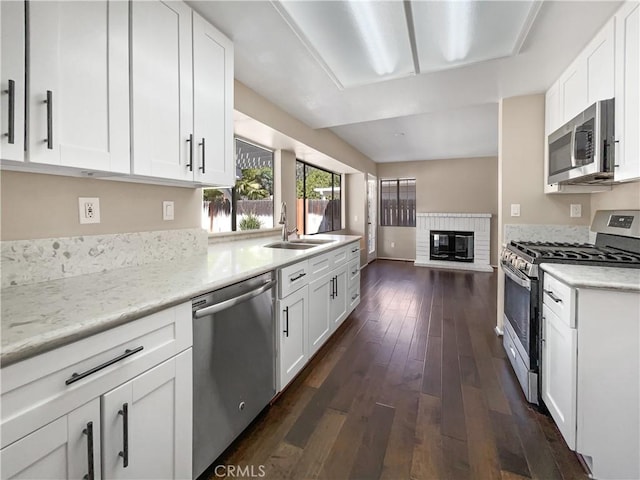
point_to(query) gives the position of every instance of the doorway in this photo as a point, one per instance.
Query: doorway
(372, 217)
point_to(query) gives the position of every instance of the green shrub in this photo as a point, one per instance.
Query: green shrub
(250, 222)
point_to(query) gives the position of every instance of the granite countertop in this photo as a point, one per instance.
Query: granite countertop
(586, 276)
(46, 315)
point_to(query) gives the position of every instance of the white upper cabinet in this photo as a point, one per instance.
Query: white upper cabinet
(182, 84)
(161, 81)
(79, 85)
(12, 81)
(627, 92)
(212, 104)
(599, 60)
(573, 90)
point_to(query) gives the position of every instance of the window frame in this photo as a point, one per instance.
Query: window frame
(333, 192)
(397, 209)
(234, 197)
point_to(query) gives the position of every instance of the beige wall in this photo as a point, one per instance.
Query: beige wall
(457, 185)
(43, 206)
(625, 196)
(355, 211)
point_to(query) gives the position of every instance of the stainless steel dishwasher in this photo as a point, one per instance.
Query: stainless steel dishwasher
(233, 364)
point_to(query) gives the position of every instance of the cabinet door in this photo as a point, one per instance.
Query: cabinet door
(147, 423)
(68, 447)
(627, 92)
(573, 89)
(292, 334)
(162, 95)
(553, 110)
(559, 373)
(213, 104)
(339, 303)
(599, 56)
(79, 84)
(12, 89)
(320, 294)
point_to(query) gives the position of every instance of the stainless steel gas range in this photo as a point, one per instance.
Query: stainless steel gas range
(617, 244)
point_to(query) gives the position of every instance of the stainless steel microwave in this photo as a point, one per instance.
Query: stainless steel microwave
(582, 150)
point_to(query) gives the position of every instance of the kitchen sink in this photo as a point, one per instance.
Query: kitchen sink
(291, 245)
(314, 241)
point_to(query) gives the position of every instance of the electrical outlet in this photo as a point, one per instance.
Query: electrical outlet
(515, 209)
(576, 210)
(167, 210)
(89, 209)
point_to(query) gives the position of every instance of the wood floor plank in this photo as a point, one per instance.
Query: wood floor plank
(427, 461)
(310, 463)
(281, 463)
(319, 374)
(398, 457)
(432, 376)
(453, 420)
(483, 455)
(370, 456)
(510, 453)
(455, 459)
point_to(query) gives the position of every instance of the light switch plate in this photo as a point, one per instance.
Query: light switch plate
(515, 209)
(576, 210)
(89, 209)
(167, 210)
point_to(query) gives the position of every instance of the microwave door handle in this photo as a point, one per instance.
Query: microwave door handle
(574, 160)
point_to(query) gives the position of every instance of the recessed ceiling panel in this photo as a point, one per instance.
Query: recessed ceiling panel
(357, 42)
(456, 33)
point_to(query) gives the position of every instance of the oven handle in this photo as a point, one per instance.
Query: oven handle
(523, 282)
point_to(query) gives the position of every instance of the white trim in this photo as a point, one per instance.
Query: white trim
(455, 266)
(499, 331)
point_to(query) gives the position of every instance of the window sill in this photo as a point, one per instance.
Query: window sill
(240, 234)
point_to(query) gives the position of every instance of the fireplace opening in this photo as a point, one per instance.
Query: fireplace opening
(451, 246)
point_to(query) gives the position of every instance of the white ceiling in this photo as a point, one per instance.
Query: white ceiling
(442, 114)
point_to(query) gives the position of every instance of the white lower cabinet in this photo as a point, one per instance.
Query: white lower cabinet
(559, 356)
(320, 292)
(293, 312)
(117, 404)
(147, 423)
(68, 447)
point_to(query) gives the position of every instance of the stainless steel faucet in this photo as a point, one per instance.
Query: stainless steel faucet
(283, 222)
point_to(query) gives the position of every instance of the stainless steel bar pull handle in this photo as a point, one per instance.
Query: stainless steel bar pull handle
(203, 157)
(191, 147)
(124, 453)
(49, 102)
(79, 376)
(11, 91)
(286, 316)
(553, 296)
(335, 287)
(88, 431)
(331, 294)
(293, 279)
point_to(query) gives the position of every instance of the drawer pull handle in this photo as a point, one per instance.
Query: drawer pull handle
(553, 296)
(49, 102)
(11, 91)
(355, 250)
(355, 296)
(79, 376)
(125, 435)
(298, 277)
(89, 433)
(286, 314)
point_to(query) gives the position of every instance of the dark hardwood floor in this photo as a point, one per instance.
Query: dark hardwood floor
(414, 385)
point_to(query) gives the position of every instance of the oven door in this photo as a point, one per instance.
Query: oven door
(518, 306)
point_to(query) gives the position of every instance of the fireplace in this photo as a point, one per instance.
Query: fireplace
(451, 246)
(473, 241)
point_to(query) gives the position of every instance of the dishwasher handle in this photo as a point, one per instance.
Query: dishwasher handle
(218, 307)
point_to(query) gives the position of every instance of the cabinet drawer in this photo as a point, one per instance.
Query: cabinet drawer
(339, 257)
(320, 265)
(353, 250)
(353, 272)
(354, 297)
(560, 298)
(42, 388)
(292, 278)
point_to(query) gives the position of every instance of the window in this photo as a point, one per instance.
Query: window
(319, 206)
(398, 202)
(249, 204)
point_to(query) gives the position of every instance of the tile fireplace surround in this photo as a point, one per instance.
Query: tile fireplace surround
(478, 223)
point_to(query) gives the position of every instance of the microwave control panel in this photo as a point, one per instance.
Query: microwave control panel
(620, 221)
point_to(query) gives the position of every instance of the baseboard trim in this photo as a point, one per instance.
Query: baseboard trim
(397, 259)
(499, 331)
